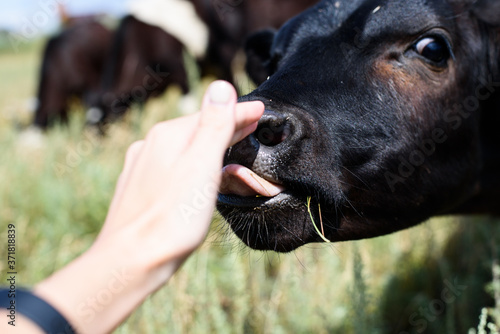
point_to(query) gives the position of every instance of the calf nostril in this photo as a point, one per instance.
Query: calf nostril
(272, 132)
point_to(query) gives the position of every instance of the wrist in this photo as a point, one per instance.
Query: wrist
(95, 293)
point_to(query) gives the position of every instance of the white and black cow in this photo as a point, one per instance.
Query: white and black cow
(148, 46)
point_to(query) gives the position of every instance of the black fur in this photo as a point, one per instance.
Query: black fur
(143, 61)
(380, 131)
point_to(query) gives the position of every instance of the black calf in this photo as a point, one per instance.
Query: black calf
(383, 113)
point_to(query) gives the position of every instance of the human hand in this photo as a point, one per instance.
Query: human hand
(160, 213)
(167, 191)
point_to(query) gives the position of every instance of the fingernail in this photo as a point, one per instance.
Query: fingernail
(219, 92)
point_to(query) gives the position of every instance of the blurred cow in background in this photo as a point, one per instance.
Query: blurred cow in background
(230, 22)
(144, 60)
(71, 67)
(146, 53)
(148, 46)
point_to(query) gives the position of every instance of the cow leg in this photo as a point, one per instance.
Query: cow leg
(50, 108)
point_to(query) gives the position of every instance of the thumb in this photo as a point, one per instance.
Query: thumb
(217, 119)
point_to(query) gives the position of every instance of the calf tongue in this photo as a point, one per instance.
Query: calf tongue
(241, 181)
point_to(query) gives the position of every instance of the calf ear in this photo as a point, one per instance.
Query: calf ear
(488, 11)
(258, 51)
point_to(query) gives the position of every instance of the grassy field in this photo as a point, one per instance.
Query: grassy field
(434, 278)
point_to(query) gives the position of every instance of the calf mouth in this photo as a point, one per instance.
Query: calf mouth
(263, 213)
(242, 188)
(261, 198)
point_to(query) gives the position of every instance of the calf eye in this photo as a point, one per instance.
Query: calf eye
(433, 49)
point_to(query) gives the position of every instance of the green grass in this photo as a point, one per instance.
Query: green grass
(57, 196)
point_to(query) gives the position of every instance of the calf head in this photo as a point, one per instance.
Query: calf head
(381, 113)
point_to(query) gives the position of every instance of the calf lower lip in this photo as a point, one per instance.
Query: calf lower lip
(240, 201)
(250, 201)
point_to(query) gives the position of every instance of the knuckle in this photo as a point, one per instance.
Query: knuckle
(134, 150)
(158, 129)
(215, 121)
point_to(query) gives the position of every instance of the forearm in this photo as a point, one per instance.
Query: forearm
(163, 203)
(95, 293)
(98, 290)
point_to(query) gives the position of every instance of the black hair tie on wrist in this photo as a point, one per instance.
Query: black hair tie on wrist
(36, 309)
